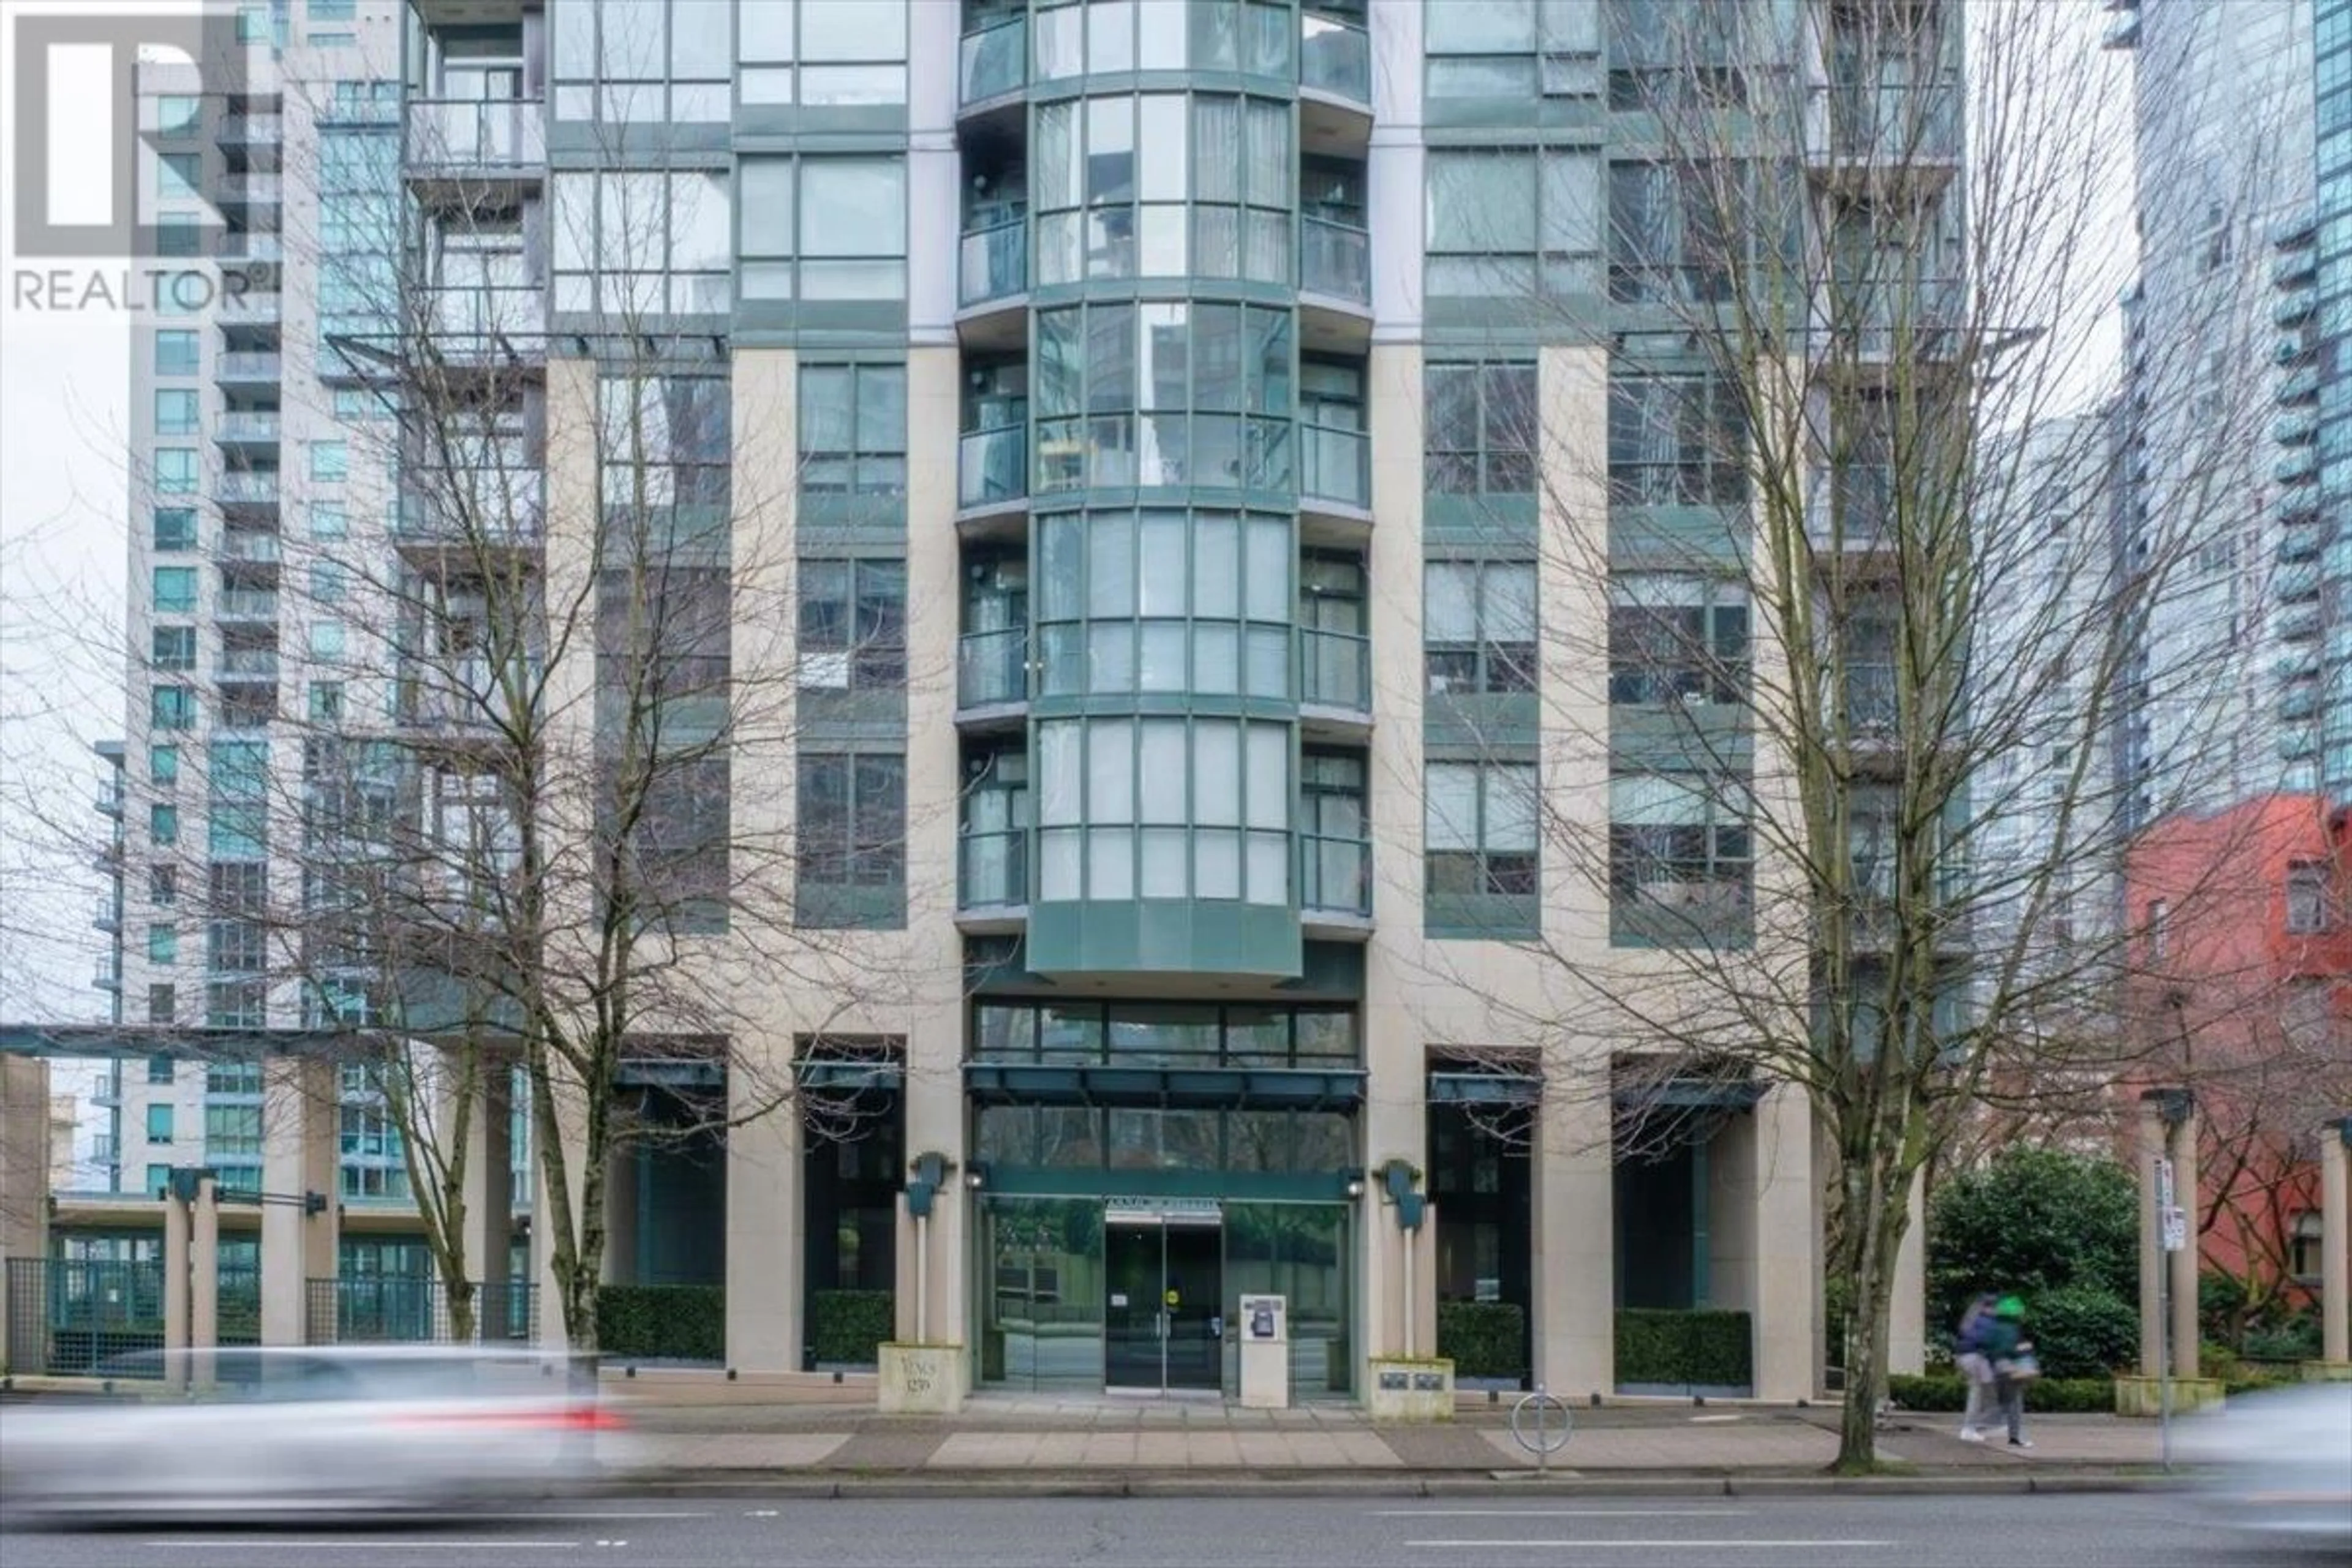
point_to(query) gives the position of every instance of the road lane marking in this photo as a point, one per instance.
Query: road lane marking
(1558, 1513)
(345, 1543)
(1686, 1545)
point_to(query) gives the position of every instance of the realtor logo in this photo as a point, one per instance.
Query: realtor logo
(75, 89)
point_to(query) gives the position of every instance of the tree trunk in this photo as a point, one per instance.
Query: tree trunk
(1874, 1230)
(461, 1311)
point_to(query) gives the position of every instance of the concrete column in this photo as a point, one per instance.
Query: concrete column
(490, 1181)
(571, 1122)
(1423, 1282)
(2151, 1254)
(1574, 1272)
(23, 1192)
(177, 1237)
(765, 1294)
(2186, 1336)
(1907, 1331)
(204, 1281)
(625, 1181)
(1788, 1261)
(300, 1144)
(2335, 1241)
(935, 1123)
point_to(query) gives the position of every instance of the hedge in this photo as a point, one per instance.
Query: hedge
(1709, 1349)
(673, 1322)
(2047, 1395)
(846, 1325)
(1483, 1339)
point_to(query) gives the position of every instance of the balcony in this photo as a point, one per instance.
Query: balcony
(247, 368)
(1872, 133)
(1335, 677)
(994, 265)
(483, 325)
(247, 604)
(2296, 269)
(106, 915)
(458, 515)
(1334, 885)
(993, 879)
(248, 664)
(252, 547)
(107, 798)
(465, 696)
(255, 488)
(107, 974)
(991, 468)
(2294, 429)
(993, 62)
(107, 1088)
(250, 246)
(1335, 477)
(2299, 466)
(991, 673)
(1335, 259)
(1334, 60)
(252, 132)
(252, 190)
(475, 140)
(247, 428)
(2295, 310)
(250, 308)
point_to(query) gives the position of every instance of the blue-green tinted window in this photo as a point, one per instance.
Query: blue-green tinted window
(162, 1003)
(163, 823)
(164, 765)
(852, 826)
(174, 647)
(252, 26)
(239, 802)
(1164, 808)
(175, 528)
(1478, 627)
(327, 639)
(177, 114)
(326, 701)
(329, 520)
(842, 52)
(178, 234)
(159, 1124)
(1479, 828)
(174, 590)
(1165, 600)
(1109, 36)
(1164, 393)
(1674, 440)
(177, 175)
(1511, 222)
(1143, 1033)
(232, 1130)
(1510, 53)
(175, 411)
(173, 707)
(329, 461)
(843, 218)
(163, 943)
(329, 580)
(853, 625)
(1482, 428)
(182, 293)
(175, 470)
(1681, 858)
(158, 1178)
(853, 429)
(178, 353)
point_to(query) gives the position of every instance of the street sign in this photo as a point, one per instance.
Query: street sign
(2163, 1183)
(2175, 1229)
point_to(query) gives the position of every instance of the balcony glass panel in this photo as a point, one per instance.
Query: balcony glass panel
(247, 605)
(994, 60)
(993, 868)
(1335, 57)
(1335, 874)
(1335, 669)
(995, 262)
(991, 466)
(993, 667)
(475, 132)
(1335, 259)
(1335, 465)
(247, 425)
(259, 488)
(248, 366)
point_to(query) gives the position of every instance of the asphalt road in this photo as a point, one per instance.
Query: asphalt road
(2082, 1531)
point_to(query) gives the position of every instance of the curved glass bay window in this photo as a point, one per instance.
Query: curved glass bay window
(1164, 393)
(1104, 37)
(1164, 808)
(1165, 184)
(1165, 601)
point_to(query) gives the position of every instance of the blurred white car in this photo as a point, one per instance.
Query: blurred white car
(2281, 1462)
(306, 1430)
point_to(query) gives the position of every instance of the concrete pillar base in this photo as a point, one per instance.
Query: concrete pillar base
(923, 1379)
(2328, 1371)
(2145, 1396)
(1409, 1391)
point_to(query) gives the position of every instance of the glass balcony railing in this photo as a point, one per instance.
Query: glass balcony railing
(993, 667)
(248, 489)
(1872, 706)
(247, 425)
(470, 319)
(995, 262)
(994, 60)
(473, 134)
(249, 245)
(1335, 259)
(1335, 57)
(248, 366)
(993, 466)
(247, 605)
(1335, 465)
(1335, 669)
(993, 870)
(250, 306)
(251, 130)
(258, 190)
(1335, 875)
(245, 545)
(250, 661)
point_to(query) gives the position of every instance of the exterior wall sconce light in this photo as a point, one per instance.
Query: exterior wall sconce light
(1398, 1181)
(930, 1174)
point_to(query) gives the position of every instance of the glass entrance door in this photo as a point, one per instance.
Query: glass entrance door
(1163, 1321)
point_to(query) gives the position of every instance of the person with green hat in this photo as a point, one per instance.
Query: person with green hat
(2003, 1341)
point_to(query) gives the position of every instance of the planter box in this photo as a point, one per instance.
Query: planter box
(1409, 1391)
(2328, 1371)
(922, 1379)
(2145, 1396)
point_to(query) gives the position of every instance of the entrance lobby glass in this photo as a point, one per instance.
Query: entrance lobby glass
(1163, 1313)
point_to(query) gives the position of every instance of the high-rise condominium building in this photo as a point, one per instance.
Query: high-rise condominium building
(1169, 409)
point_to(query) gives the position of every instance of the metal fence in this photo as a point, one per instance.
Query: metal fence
(405, 1309)
(71, 1315)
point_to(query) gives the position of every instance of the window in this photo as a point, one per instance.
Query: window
(175, 412)
(173, 708)
(238, 805)
(175, 528)
(252, 26)
(162, 823)
(163, 943)
(327, 640)
(1674, 440)
(665, 441)
(853, 620)
(852, 821)
(1679, 858)
(162, 1003)
(1499, 51)
(1478, 627)
(1479, 826)
(849, 52)
(2159, 929)
(641, 242)
(174, 647)
(232, 1079)
(162, 886)
(329, 461)
(326, 701)
(159, 1124)
(844, 218)
(2306, 1234)
(164, 765)
(177, 114)
(643, 61)
(178, 353)
(177, 175)
(1165, 393)
(329, 520)
(232, 1130)
(2306, 898)
(1668, 239)
(329, 580)
(1482, 429)
(237, 1004)
(1166, 600)
(1164, 808)
(1107, 36)
(175, 470)
(1511, 222)
(174, 590)
(158, 1178)
(1676, 640)
(177, 234)
(853, 429)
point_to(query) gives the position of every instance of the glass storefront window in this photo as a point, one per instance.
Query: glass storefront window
(1163, 1034)
(1041, 1284)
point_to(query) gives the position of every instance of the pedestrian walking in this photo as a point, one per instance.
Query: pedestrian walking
(1976, 1370)
(2002, 1342)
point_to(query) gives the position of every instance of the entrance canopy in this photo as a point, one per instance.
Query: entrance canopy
(1185, 1088)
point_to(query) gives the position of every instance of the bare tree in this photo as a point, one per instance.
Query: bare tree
(1844, 629)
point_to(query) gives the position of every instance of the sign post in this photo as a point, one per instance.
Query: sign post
(2172, 1228)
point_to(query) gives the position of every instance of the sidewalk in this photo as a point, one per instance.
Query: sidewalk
(1032, 1442)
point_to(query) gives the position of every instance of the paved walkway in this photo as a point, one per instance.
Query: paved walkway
(996, 1435)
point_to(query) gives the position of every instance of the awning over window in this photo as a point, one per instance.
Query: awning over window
(1188, 1089)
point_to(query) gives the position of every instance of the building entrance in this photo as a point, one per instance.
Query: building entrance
(1163, 1301)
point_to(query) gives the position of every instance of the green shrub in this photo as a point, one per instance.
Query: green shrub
(2031, 1222)
(846, 1325)
(1710, 1348)
(674, 1322)
(2297, 1339)
(2047, 1396)
(2081, 1331)
(1483, 1339)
